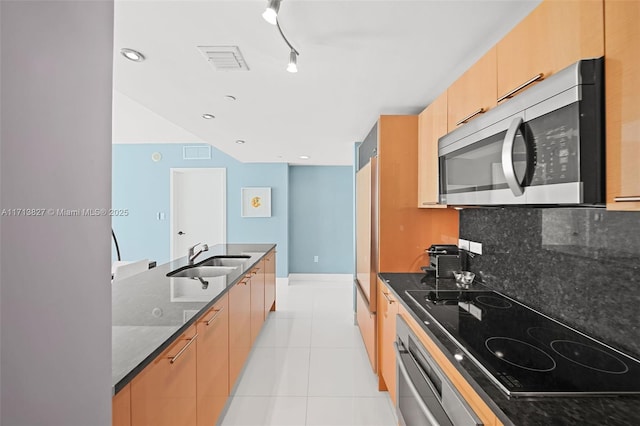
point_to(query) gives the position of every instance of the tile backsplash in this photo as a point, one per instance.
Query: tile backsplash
(578, 265)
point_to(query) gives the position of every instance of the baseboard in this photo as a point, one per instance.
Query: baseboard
(321, 277)
(282, 281)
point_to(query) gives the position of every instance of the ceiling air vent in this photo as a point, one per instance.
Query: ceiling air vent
(224, 58)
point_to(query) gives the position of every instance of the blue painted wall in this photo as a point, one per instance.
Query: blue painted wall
(321, 219)
(143, 187)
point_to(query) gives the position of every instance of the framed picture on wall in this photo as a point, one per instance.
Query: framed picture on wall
(256, 202)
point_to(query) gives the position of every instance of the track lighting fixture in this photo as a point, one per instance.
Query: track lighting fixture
(271, 16)
(271, 12)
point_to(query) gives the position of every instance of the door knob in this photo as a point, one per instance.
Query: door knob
(181, 233)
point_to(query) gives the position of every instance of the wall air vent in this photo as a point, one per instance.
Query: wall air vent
(196, 152)
(224, 58)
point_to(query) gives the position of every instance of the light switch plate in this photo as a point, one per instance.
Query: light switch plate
(475, 247)
(463, 244)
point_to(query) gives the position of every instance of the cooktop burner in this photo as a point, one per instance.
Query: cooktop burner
(524, 352)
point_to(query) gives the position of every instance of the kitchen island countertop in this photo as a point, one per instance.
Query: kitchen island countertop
(150, 310)
(569, 411)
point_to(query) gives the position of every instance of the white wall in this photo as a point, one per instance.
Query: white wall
(55, 295)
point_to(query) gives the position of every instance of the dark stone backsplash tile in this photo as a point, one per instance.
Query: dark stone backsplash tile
(578, 265)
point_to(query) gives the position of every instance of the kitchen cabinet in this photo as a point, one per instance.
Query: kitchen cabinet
(432, 124)
(554, 35)
(477, 404)
(366, 320)
(213, 362)
(121, 407)
(269, 283)
(164, 393)
(622, 88)
(387, 311)
(257, 300)
(474, 93)
(239, 327)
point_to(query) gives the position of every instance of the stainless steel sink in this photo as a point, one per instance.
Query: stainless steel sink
(202, 271)
(233, 261)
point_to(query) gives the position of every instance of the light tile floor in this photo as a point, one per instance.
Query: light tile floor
(309, 365)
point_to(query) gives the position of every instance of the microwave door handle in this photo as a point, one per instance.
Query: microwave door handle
(403, 369)
(507, 157)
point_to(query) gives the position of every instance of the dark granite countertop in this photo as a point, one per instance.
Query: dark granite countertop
(618, 411)
(151, 310)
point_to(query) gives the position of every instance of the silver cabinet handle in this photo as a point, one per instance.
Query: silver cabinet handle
(470, 116)
(386, 296)
(213, 318)
(519, 88)
(193, 339)
(626, 199)
(507, 157)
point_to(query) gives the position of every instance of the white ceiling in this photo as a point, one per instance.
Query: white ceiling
(358, 59)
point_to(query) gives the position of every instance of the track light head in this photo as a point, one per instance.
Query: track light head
(293, 61)
(271, 12)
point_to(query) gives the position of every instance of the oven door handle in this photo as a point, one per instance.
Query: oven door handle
(400, 355)
(507, 157)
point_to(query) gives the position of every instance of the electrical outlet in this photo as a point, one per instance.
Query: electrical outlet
(315, 259)
(475, 247)
(463, 244)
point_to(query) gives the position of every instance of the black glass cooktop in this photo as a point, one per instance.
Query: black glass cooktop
(524, 352)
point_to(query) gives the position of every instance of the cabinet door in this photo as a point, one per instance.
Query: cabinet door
(164, 393)
(474, 93)
(367, 324)
(622, 79)
(213, 362)
(270, 283)
(432, 124)
(553, 36)
(239, 328)
(121, 407)
(257, 300)
(387, 311)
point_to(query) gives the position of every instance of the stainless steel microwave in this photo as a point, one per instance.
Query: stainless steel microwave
(544, 146)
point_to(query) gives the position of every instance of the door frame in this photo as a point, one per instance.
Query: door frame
(172, 225)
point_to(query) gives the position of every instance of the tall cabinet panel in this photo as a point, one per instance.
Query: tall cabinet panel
(622, 79)
(432, 125)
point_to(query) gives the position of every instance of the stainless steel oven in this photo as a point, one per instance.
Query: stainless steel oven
(545, 146)
(425, 394)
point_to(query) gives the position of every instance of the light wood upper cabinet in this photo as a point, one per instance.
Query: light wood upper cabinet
(432, 124)
(474, 93)
(164, 393)
(387, 311)
(213, 362)
(553, 36)
(622, 88)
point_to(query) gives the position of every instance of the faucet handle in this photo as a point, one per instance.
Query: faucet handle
(194, 246)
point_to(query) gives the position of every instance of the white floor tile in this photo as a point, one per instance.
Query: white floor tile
(285, 332)
(341, 372)
(326, 411)
(334, 334)
(275, 372)
(258, 411)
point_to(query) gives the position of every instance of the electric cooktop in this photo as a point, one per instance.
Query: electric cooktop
(527, 353)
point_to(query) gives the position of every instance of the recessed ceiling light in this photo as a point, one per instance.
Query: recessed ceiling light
(239, 141)
(304, 157)
(132, 55)
(208, 116)
(230, 97)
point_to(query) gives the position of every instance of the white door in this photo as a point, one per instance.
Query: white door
(198, 208)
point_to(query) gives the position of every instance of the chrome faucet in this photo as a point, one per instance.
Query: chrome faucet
(193, 255)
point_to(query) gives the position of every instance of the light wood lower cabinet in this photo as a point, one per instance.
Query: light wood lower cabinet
(121, 407)
(239, 327)
(622, 79)
(213, 362)
(257, 300)
(367, 324)
(270, 282)
(164, 393)
(387, 311)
